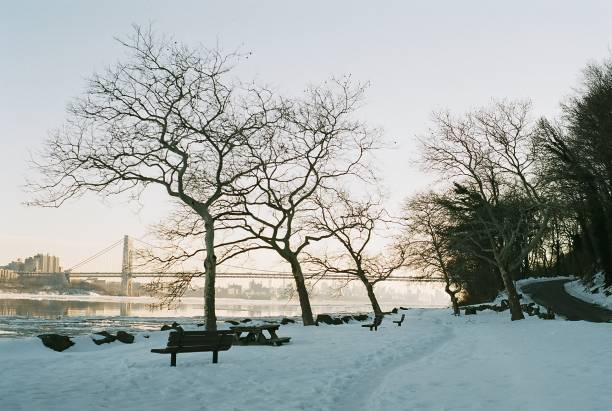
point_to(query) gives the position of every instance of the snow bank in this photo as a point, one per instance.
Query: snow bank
(433, 362)
(594, 294)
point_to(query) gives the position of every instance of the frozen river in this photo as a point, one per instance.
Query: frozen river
(33, 314)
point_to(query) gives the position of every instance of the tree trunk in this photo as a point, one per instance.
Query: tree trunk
(370, 288)
(453, 299)
(210, 268)
(300, 285)
(513, 300)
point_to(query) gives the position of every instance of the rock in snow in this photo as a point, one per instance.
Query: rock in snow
(56, 342)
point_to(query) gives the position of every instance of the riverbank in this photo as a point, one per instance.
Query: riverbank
(434, 361)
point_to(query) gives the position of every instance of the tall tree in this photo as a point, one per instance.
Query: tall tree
(581, 161)
(488, 153)
(318, 144)
(167, 116)
(353, 224)
(430, 238)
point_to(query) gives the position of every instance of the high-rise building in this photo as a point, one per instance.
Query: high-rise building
(39, 263)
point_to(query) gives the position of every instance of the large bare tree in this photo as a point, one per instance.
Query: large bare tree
(318, 144)
(353, 225)
(489, 154)
(429, 242)
(168, 116)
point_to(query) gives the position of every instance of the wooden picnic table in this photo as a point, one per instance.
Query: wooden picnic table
(255, 335)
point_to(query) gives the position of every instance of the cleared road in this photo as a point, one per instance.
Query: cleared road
(552, 294)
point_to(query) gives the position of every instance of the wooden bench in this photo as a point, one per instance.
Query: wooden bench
(400, 321)
(196, 341)
(377, 321)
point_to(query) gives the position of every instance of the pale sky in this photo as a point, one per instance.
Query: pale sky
(418, 58)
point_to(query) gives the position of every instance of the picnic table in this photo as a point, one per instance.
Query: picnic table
(255, 335)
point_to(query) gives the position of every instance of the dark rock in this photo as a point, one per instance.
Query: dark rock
(394, 310)
(346, 318)
(200, 324)
(125, 337)
(56, 342)
(285, 321)
(232, 322)
(108, 338)
(105, 340)
(504, 304)
(361, 317)
(404, 308)
(328, 319)
(174, 326)
(549, 315)
(145, 336)
(246, 320)
(470, 311)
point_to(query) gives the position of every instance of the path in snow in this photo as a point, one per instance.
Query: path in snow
(552, 294)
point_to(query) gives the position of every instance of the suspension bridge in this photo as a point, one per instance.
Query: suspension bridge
(128, 272)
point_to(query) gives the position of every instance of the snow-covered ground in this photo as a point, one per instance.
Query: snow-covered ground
(433, 362)
(595, 294)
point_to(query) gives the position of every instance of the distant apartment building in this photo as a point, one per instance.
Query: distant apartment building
(39, 263)
(6, 274)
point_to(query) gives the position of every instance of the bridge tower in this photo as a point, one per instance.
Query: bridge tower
(126, 267)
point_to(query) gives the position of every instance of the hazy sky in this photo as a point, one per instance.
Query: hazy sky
(418, 58)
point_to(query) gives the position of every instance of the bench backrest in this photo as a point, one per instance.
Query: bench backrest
(223, 338)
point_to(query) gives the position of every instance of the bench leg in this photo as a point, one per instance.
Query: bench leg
(215, 357)
(173, 359)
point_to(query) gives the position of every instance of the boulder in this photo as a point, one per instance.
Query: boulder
(549, 315)
(361, 317)
(174, 326)
(328, 319)
(346, 318)
(56, 342)
(125, 337)
(504, 304)
(108, 338)
(394, 310)
(246, 320)
(232, 322)
(470, 311)
(404, 308)
(286, 321)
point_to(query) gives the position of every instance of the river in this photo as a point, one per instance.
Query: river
(32, 314)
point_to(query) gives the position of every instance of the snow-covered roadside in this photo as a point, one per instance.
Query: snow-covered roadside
(585, 293)
(434, 361)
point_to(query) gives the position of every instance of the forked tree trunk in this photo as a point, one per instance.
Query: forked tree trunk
(453, 298)
(300, 285)
(513, 300)
(370, 288)
(210, 268)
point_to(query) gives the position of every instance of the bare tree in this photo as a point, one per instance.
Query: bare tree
(168, 116)
(353, 225)
(429, 241)
(318, 144)
(489, 154)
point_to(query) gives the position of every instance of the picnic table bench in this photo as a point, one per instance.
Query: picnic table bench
(377, 321)
(255, 335)
(196, 341)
